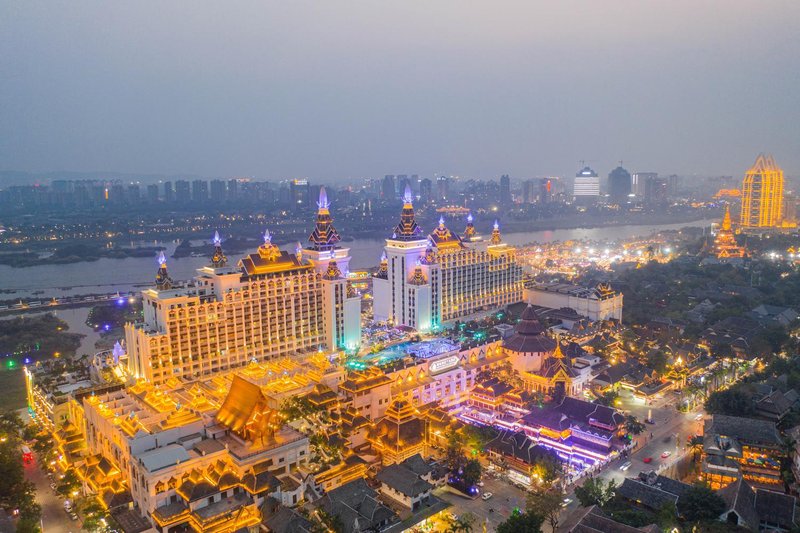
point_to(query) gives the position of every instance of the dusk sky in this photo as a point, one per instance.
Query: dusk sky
(332, 90)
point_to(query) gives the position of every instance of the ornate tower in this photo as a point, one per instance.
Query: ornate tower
(342, 304)
(163, 281)
(496, 234)
(469, 232)
(218, 260)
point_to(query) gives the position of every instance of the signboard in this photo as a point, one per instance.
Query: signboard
(441, 365)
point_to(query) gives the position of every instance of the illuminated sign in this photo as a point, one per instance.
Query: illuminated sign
(443, 364)
(358, 274)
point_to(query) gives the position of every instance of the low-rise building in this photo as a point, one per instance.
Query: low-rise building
(595, 303)
(404, 486)
(736, 447)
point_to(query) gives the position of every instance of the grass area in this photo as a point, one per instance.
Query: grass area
(12, 389)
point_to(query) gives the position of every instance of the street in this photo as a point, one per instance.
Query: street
(54, 518)
(505, 497)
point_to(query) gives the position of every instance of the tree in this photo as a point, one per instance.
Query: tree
(699, 503)
(472, 472)
(454, 450)
(633, 426)
(69, 483)
(733, 402)
(667, 516)
(95, 517)
(460, 524)
(547, 468)
(518, 522)
(657, 360)
(547, 504)
(608, 398)
(696, 445)
(595, 492)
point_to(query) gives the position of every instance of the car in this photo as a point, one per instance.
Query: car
(486, 496)
(480, 483)
(647, 459)
(666, 454)
(699, 416)
(566, 502)
(67, 505)
(73, 516)
(626, 465)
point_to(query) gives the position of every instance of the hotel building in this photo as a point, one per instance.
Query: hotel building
(586, 188)
(424, 281)
(762, 195)
(272, 304)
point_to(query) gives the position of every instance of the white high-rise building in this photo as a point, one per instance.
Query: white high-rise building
(423, 281)
(586, 189)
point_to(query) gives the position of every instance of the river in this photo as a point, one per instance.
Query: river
(130, 274)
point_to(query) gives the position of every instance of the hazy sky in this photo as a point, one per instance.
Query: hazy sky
(331, 89)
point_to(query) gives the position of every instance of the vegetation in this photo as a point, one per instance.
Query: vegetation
(546, 504)
(460, 524)
(15, 491)
(519, 522)
(595, 492)
(700, 504)
(37, 336)
(633, 426)
(69, 484)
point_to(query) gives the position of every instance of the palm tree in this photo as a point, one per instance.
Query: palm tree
(696, 446)
(460, 524)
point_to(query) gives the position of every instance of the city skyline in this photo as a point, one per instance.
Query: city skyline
(465, 90)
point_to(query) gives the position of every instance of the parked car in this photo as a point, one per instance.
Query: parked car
(626, 465)
(486, 496)
(73, 515)
(666, 454)
(647, 459)
(566, 502)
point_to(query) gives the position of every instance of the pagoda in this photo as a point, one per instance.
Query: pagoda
(407, 229)
(469, 232)
(163, 281)
(725, 243)
(324, 237)
(495, 240)
(218, 260)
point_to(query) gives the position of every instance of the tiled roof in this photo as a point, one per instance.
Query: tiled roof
(403, 480)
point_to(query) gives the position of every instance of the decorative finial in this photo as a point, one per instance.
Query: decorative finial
(117, 352)
(298, 251)
(441, 221)
(323, 202)
(469, 218)
(162, 259)
(267, 237)
(496, 224)
(408, 197)
(383, 257)
(217, 240)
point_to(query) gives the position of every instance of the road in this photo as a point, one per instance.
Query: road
(54, 518)
(505, 497)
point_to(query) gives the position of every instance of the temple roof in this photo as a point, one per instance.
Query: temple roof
(407, 229)
(246, 412)
(324, 236)
(270, 259)
(444, 239)
(529, 335)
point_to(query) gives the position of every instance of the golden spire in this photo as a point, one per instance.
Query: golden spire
(726, 220)
(496, 234)
(163, 281)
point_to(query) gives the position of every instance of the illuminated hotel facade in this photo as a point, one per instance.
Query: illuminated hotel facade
(762, 195)
(424, 281)
(272, 304)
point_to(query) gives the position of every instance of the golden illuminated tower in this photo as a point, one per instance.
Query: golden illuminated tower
(725, 244)
(762, 194)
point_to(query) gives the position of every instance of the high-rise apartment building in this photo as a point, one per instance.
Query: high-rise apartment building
(199, 191)
(619, 186)
(423, 281)
(152, 193)
(425, 191)
(183, 191)
(300, 194)
(272, 304)
(388, 191)
(443, 187)
(762, 194)
(505, 190)
(218, 191)
(169, 192)
(639, 182)
(586, 188)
